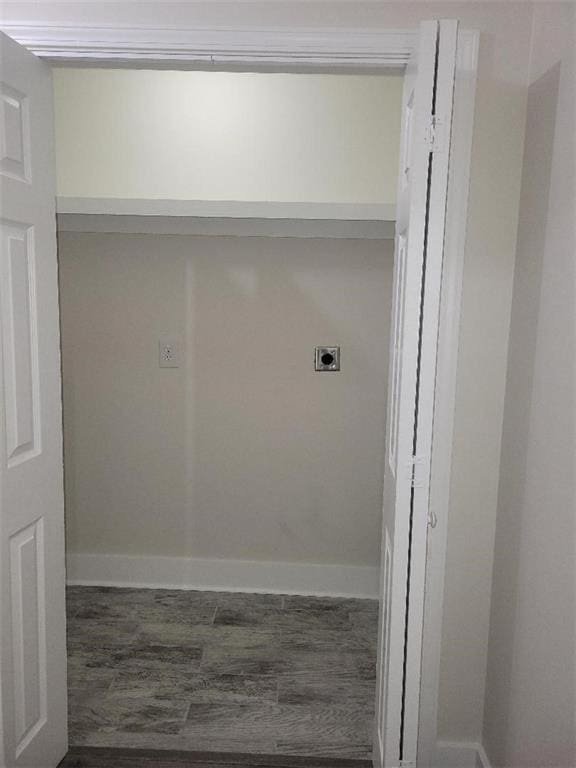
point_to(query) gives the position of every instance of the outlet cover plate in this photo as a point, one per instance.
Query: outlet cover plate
(168, 353)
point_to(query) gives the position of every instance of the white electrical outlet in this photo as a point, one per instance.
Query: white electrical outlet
(168, 353)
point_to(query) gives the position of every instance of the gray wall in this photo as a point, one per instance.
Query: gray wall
(531, 686)
(244, 452)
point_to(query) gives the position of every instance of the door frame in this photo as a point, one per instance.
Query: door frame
(330, 50)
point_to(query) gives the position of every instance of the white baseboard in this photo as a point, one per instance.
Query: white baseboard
(222, 575)
(481, 757)
(460, 754)
(378, 749)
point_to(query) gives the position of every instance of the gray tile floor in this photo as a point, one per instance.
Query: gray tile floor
(170, 669)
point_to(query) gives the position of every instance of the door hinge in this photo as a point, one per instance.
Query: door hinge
(435, 134)
(418, 471)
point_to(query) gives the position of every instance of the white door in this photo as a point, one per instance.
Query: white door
(422, 191)
(32, 602)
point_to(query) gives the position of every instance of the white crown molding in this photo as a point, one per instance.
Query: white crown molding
(222, 575)
(226, 209)
(248, 47)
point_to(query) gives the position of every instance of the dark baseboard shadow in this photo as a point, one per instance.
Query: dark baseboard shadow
(106, 757)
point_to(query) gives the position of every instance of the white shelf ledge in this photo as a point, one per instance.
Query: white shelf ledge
(190, 225)
(225, 218)
(226, 209)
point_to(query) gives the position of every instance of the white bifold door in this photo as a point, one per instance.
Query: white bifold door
(422, 193)
(32, 601)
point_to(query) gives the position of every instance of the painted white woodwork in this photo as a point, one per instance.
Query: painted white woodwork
(14, 139)
(258, 47)
(226, 209)
(448, 333)
(433, 272)
(233, 218)
(33, 649)
(20, 343)
(223, 575)
(422, 190)
(227, 227)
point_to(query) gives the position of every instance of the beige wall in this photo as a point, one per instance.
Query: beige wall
(487, 289)
(530, 717)
(244, 452)
(227, 135)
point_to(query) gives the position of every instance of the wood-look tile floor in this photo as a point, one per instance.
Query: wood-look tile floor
(115, 757)
(221, 672)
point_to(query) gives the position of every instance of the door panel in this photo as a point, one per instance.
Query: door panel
(15, 141)
(28, 630)
(409, 419)
(32, 609)
(430, 315)
(19, 341)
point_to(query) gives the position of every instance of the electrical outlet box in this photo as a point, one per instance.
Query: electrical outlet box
(168, 353)
(327, 359)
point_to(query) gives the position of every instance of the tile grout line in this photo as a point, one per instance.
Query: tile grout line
(185, 719)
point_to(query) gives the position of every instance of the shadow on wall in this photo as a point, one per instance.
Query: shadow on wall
(532, 604)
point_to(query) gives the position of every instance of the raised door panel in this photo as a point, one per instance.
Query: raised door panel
(19, 343)
(15, 134)
(28, 632)
(397, 341)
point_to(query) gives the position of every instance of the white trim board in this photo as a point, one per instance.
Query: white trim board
(446, 375)
(460, 754)
(218, 227)
(223, 575)
(252, 47)
(226, 209)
